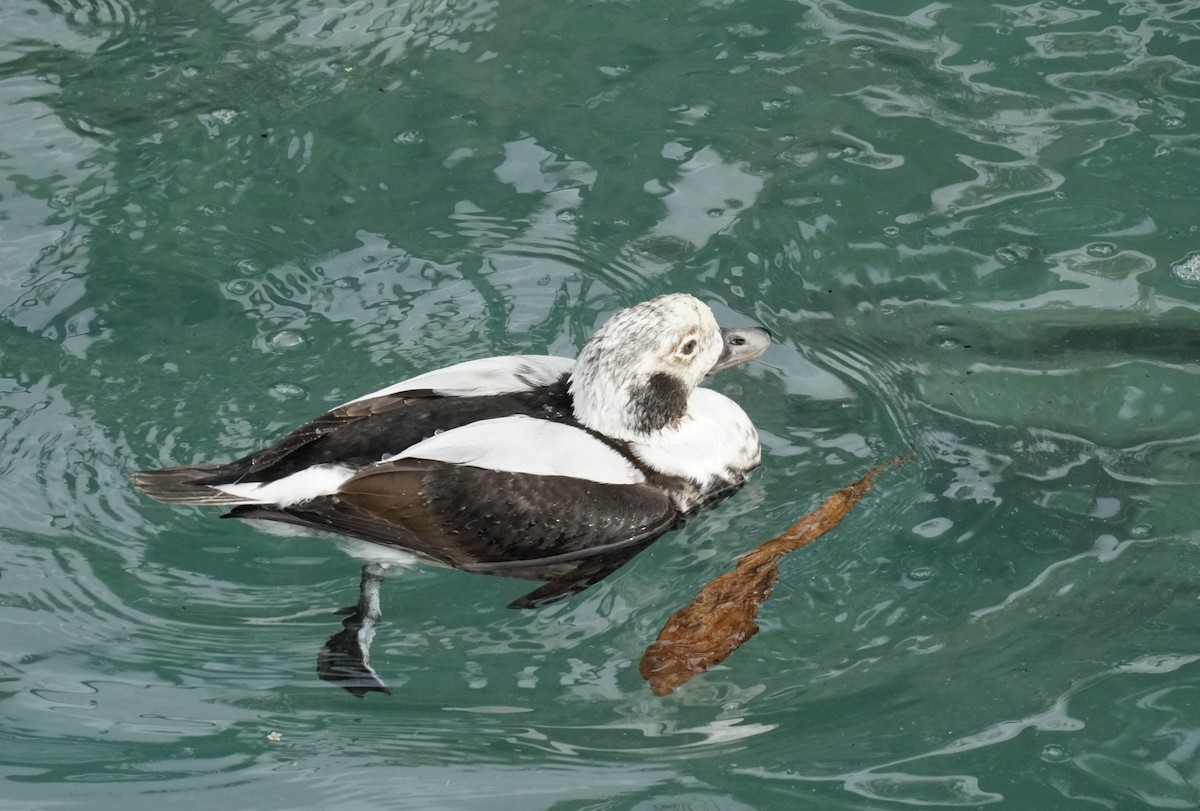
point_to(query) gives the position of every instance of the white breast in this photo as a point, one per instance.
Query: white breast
(715, 442)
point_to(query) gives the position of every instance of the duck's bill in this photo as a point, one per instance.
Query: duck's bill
(741, 345)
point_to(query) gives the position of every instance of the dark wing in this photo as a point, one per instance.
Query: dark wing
(355, 424)
(356, 434)
(567, 530)
(363, 432)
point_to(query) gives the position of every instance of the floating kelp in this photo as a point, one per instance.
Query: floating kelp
(723, 615)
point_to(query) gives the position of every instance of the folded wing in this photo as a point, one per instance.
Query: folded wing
(569, 531)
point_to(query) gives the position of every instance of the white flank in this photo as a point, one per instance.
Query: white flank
(368, 550)
(303, 485)
(479, 378)
(521, 444)
(714, 441)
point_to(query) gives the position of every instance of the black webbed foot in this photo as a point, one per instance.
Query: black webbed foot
(346, 658)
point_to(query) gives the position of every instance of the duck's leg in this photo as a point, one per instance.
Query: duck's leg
(346, 658)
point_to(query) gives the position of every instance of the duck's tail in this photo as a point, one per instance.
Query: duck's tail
(188, 484)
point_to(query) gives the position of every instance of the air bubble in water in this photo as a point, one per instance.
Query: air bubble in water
(288, 391)
(934, 527)
(1053, 753)
(286, 339)
(1016, 252)
(1008, 256)
(1187, 270)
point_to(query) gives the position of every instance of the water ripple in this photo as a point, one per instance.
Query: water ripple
(967, 225)
(387, 31)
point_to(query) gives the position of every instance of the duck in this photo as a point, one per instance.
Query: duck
(535, 467)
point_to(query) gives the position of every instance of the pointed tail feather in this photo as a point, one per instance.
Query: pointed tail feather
(189, 484)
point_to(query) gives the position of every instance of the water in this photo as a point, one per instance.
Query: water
(972, 228)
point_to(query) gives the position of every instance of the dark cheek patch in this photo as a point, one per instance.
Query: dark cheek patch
(661, 401)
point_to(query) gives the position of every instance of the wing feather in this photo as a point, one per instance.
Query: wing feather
(524, 444)
(496, 522)
(366, 430)
(507, 374)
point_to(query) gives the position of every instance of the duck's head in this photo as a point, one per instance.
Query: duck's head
(635, 375)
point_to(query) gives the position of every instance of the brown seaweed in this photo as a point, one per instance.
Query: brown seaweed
(723, 615)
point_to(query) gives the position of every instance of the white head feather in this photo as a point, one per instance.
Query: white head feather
(634, 376)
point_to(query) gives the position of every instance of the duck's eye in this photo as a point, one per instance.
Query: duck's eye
(689, 347)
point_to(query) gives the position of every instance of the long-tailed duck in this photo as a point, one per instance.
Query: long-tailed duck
(528, 466)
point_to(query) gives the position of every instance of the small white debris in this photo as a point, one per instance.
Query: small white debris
(1187, 270)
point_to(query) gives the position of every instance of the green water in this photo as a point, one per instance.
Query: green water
(968, 225)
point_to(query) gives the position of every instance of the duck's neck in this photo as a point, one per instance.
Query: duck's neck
(713, 449)
(627, 407)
